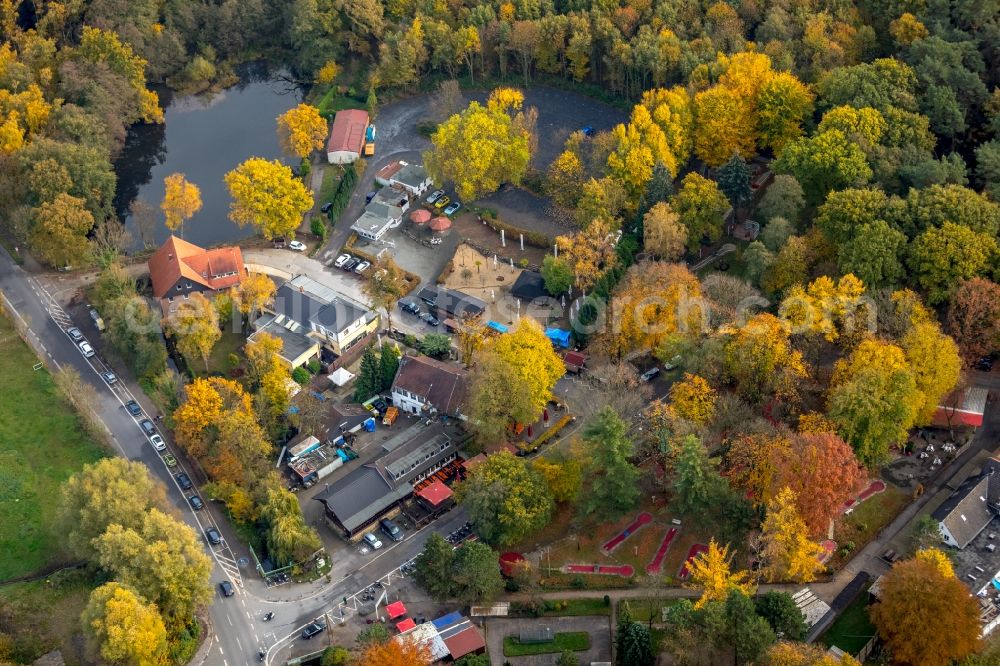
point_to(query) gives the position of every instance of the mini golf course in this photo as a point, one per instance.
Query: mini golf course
(654, 565)
(642, 519)
(873, 488)
(625, 570)
(693, 552)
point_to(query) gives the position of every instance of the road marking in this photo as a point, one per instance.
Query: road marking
(230, 621)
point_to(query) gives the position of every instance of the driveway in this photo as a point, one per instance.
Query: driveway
(597, 626)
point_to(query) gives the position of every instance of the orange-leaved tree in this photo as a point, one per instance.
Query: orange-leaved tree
(399, 651)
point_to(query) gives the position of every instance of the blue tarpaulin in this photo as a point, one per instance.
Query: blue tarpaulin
(496, 326)
(558, 336)
(446, 620)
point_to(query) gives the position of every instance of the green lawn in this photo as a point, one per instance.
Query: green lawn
(41, 444)
(570, 640)
(642, 609)
(218, 362)
(852, 629)
(568, 607)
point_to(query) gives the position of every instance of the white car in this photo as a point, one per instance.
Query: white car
(109, 377)
(672, 363)
(371, 540)
(362, 267)
(341, 260)
(75, 334)
(435, 195)
(298, 246)
(157, 442)
(86, 349)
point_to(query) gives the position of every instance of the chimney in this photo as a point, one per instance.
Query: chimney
(170, 256)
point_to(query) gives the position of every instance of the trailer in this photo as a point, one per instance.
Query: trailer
(391, 415)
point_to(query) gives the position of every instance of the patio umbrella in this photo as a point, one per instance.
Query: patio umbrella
(420, 216)
(440, 224)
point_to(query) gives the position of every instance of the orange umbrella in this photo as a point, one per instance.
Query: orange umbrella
(420, 215)
(440, 224)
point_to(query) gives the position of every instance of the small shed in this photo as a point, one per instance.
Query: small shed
(529, 286)
(347, 136)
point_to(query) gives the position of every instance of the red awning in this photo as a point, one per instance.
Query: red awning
(395, 609)
(435, 493)
(405, 625)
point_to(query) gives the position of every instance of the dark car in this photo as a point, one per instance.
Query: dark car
(350, 264)
(183, 480)
(133, 408)
(380, 406)
(391, 529)
(369, 197)
(147, 427)
(313, 628)
(985, 364)
(325, 208)
(430, 319)
(226, 588)
(213, 536)
(649, 374)
(410, 307)
(195, 502)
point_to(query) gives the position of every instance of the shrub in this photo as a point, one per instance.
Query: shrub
(607, 600)
(318, 227)
(578, 582)
(301, 375)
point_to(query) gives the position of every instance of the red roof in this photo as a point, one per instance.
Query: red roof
(216, 269)
(348, 131)
(435, 493)
(465, 642)
(405, 625)
(962, 407)
(574, 358)
(395, 609)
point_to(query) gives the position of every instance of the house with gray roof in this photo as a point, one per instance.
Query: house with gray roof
(971, 507)
(375, 490)
(377, 219)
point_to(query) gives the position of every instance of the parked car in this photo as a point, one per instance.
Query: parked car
(170, 460)
(350, 264)
(98, 322)
(298, 246)
(86, 349)
(133, 408)
(362, 267)
(195, 502)
(183, 480)
(434, 196)
(588, 131)
(157, 442)
(985, 364)
(278, 242)
(672, 363)
(74, 333)
(109, 377)
(213, 536)
(341, 260)
(442, 202)
(372, 541)
(430, 319)
(391, 529)
(650, 374)
(226, 588)
(315, 627)
(147, 427)
(380, 406)
(410, 307)
(325, 208)
(452, 207)
(369, 197)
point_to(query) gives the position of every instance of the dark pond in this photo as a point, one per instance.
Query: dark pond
(203, 137)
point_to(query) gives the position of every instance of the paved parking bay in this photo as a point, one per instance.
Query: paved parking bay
(597, 626)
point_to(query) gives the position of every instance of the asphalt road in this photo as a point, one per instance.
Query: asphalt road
(237, 630)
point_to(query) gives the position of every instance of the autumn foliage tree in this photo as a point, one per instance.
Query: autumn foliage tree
(394, 653)
(253, 293)
(123, 628)
(266, 195)
(700, 206)
(974, 318)
(195, 327)
(823, 472)
(301, 130)
(693, 399)
(787, 548)
(181, 200)
(925, 616)
(711, 572)
(663, 233)
(59, 235)
(760, 360)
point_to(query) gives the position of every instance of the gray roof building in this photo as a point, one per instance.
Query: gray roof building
(971, 507)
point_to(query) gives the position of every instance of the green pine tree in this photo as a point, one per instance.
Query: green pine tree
(372, 103)
(734, 181)
(696, 481)
(389, 364)
(659, 188)
(369, 380)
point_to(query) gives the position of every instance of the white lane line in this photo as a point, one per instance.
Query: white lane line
(230, 620)
(239, 644)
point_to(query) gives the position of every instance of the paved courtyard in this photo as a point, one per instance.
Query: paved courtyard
(597, 626)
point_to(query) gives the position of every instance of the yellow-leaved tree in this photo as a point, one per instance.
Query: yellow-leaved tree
(528, 351)
(301, 130)
(327, 74)
(824, 307)
(693, 399)
(711, 572)
(253, 293)
(938, 558)
(195, 327)
(787, 549)
(936, 365)
(481, 147)
(59, 236)
(760, 359)
(181, 200)
(267, 195)
(123, 628)
(588, 252)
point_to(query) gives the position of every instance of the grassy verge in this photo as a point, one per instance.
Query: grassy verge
(852, 630)
(861, 525)
(45, 615)
(570, 640)
(646, 610)
(563, 608)
(218, 362)
(42, 443)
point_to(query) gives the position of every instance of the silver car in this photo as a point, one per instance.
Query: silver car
(435, 195)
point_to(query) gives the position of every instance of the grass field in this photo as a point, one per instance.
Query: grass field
(218, 362)
(852, 630)
(41, 444)
(570, 640)
(568, 607)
